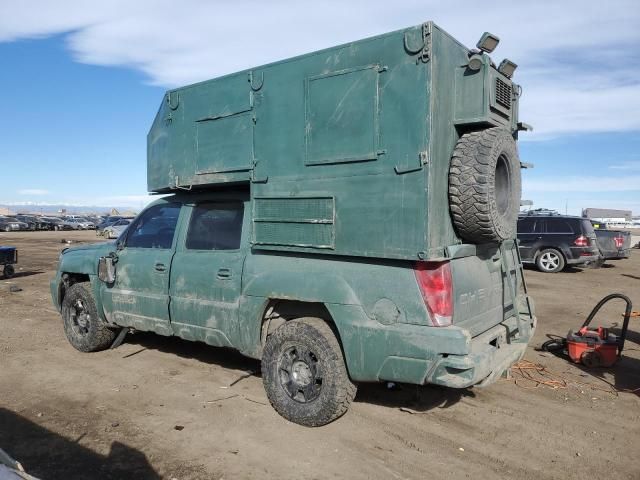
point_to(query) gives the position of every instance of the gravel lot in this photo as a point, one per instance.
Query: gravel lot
(163, 408)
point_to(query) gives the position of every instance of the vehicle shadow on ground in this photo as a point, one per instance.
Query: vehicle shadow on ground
(45, 454)
(414, 397)
(568, 269)
(224, 357)
(26, 273)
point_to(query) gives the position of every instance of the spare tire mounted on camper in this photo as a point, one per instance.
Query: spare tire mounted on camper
(485, 186)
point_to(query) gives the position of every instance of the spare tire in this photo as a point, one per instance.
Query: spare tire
(485, 186)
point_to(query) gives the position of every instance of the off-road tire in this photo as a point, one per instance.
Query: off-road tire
(94, 335)
(336, 391)
(485, 186)
(8, 271)
(544, 267)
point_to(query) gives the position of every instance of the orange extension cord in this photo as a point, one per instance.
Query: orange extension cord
(533, 375)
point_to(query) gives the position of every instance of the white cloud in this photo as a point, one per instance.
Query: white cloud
(631, 165)
(578, 60)
(629, 183)
(33, 191)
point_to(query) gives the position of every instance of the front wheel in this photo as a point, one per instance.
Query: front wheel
(304, 373)
(82, 325)
(550, 260)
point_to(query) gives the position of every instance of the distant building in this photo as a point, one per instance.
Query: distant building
(5, 211)
(607, 214)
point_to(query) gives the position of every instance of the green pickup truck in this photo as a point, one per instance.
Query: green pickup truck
(345, 216)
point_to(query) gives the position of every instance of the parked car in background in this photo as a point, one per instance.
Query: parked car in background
(59, 224)
(85, 223)
(9, 224)
(35, 223)
(107, 222)
(115, 230)
(78, 224)
(552, 241)
(612, 244)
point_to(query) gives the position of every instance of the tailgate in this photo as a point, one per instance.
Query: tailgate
(606, 242)
(484, 285)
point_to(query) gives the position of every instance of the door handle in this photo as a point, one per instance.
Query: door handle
(224, 273)
(160, 267)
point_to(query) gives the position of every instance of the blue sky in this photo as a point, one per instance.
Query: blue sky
(82, 81)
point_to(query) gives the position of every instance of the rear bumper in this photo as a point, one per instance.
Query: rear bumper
(582, 260)
(417, 354)
(617, 255)
(492, 353)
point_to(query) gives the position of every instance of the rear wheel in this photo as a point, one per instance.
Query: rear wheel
(82, 325)
(304, 373)
(550, 260)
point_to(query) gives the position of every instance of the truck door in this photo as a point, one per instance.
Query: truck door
(206, 273)
(139, 296)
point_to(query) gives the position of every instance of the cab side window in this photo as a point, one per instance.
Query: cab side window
(215, 226)
(155, 227)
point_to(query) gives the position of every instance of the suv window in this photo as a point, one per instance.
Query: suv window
(558, 225)
(529, 225)
(588, 229)
(215, 226)
(155, 227)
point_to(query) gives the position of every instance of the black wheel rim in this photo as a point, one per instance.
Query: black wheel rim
(299, 374)
(80, 319)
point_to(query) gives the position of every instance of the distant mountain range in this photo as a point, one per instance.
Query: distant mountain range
(50, 209)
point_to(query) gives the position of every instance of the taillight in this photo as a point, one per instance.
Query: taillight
(434, 280)
(619, 241)
(581, 241)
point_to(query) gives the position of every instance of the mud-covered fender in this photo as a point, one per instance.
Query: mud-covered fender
(81, 260)
(286, 281)
(84, 259)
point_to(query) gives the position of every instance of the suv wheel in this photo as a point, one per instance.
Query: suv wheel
(304, 373)
(84, 329)
(550, 260)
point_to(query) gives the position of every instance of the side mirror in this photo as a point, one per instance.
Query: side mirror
(107, 269)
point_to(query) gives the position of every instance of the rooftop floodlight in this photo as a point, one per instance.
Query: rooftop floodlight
(475, 62)
(488, 42)
(507, 67)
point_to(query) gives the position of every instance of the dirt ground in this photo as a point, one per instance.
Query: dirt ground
(164, 408)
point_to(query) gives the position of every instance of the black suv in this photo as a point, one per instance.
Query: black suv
(553, 241)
